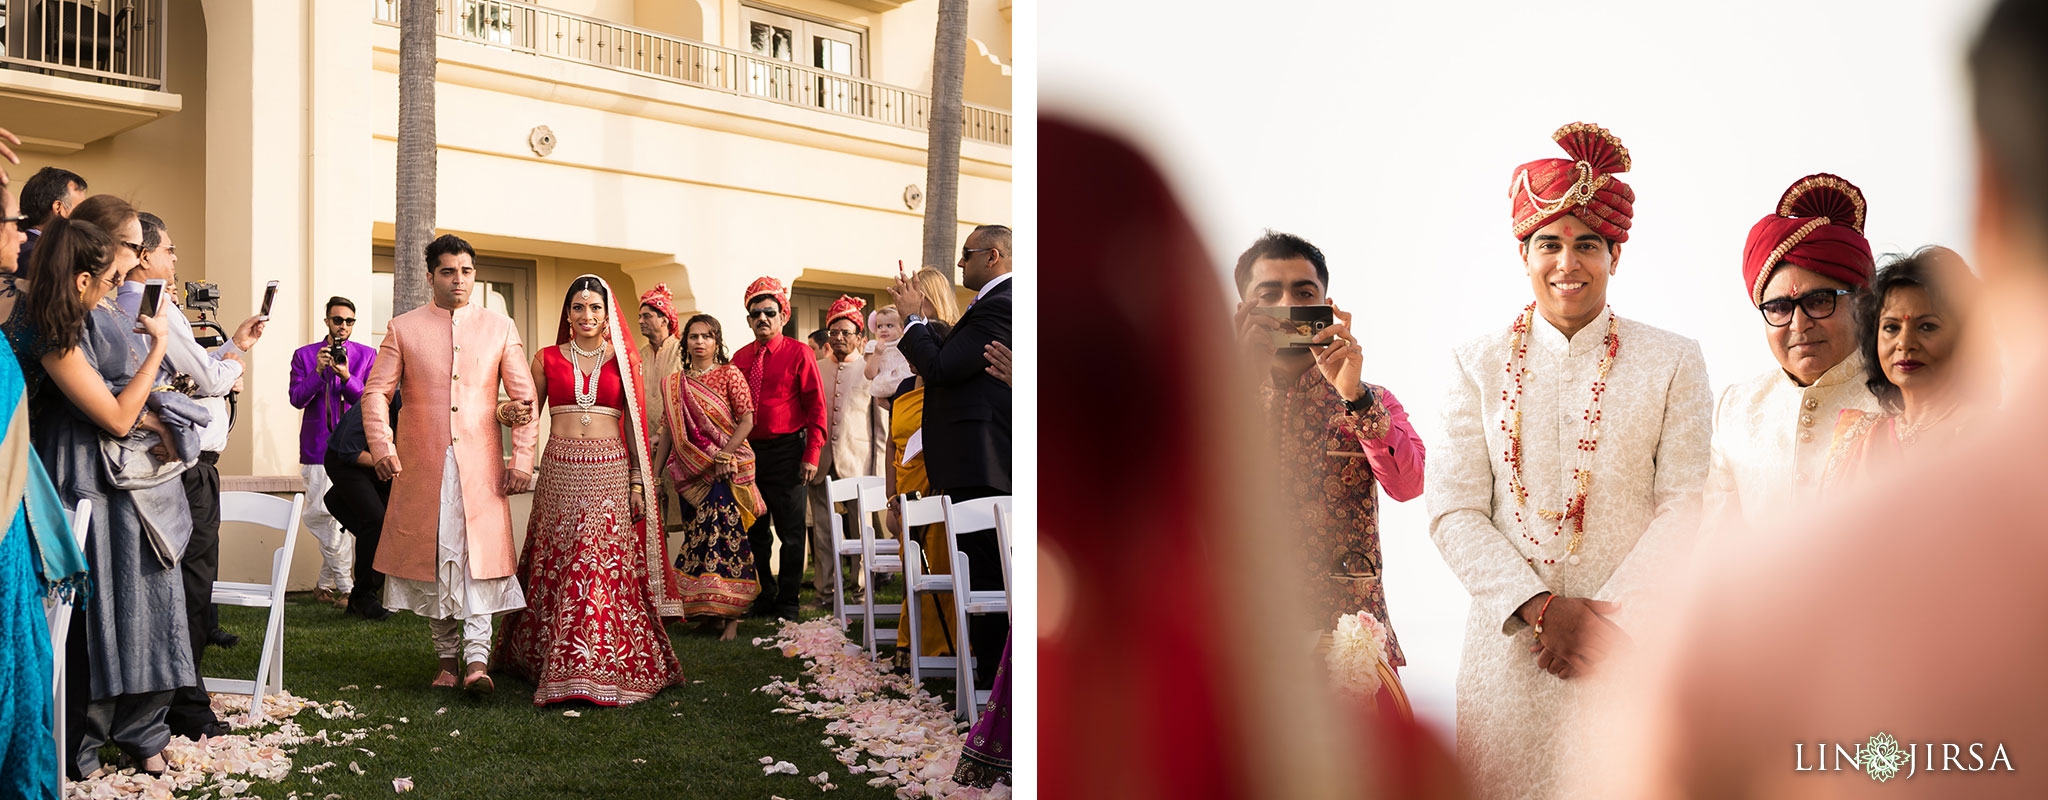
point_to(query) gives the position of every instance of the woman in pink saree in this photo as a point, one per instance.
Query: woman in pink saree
(705, 454)
(1912, 319)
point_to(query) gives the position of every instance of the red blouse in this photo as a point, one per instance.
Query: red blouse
(562, 381)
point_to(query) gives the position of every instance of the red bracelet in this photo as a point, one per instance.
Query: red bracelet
(1540, 612)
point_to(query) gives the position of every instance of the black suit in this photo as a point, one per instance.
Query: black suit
(967, 442)
(357, 499)
(966, 410)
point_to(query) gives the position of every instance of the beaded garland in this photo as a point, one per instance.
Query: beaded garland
(1574, 512)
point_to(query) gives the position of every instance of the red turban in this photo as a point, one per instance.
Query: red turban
(768, 286)
(664, 301)
(1582, 185)
(1819, 226)
(846, 308)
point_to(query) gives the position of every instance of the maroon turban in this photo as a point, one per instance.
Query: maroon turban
(1582, 185)
(1819, 226)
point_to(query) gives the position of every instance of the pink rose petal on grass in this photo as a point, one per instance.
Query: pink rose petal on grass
(401, 785)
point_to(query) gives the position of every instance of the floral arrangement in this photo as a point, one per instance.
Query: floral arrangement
(1357, 649)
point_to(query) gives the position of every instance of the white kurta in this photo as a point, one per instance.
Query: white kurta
(1514, 719)
(1771, 442)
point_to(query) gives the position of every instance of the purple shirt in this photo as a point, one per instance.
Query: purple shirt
(324, 395)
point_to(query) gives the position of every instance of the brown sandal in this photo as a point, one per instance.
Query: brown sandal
(478, 681)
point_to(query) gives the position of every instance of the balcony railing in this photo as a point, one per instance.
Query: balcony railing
(112, 41)
(528, 28)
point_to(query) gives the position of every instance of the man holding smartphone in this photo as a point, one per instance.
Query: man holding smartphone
(1341, 439)
(327, 380)
(208, 378)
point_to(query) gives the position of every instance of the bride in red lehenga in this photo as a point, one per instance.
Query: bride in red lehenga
(595, 578)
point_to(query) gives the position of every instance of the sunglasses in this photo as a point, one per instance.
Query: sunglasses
(764, 313)
(342, 320)
(968, 252)
(17, 219)
(140, 251)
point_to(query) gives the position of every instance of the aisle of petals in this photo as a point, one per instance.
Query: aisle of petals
(227, 766)
(908, 737)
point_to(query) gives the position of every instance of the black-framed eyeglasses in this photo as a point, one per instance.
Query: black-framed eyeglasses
(342, 320)
(17, 219)
(968, 252)
(1818, 304)
(762, 313)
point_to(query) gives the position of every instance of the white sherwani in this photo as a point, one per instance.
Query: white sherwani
(848, 453)
(1513, 718)
(1771, 442)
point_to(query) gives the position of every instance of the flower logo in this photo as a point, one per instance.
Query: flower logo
(1881, 757)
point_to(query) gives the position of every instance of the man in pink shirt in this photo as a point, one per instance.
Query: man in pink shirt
(1339, 437)
(447, 541)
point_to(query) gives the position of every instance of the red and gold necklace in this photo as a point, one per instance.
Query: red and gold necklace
(1574, 512)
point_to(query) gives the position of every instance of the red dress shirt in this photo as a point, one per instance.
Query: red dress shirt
(788, 395)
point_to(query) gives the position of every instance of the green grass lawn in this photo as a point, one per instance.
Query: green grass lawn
(694, 740)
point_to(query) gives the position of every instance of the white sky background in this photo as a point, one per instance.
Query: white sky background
(1386, 133)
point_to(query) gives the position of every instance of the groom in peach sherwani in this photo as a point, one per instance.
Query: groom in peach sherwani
(447, 539)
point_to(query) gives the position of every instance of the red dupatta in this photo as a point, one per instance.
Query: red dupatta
(662, 585)
(700, 424)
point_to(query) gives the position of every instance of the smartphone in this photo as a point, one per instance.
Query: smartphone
(269, 294)
(1304, 322)
(152, 296)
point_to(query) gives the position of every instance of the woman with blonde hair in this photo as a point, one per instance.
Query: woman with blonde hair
(906, 417)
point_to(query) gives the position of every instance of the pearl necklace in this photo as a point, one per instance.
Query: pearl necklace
(586, 390)
(1574, 511)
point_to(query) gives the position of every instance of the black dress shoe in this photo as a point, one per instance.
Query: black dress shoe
(221, 638)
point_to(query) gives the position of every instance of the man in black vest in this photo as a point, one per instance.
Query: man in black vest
(967, 411)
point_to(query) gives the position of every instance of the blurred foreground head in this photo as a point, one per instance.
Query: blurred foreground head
(1168, 642)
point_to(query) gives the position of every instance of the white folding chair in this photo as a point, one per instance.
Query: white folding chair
(59, 615)
(973, 516)
(847, 490)
(877, 558)
(1003, 524)
(917, 583)
(283, 515)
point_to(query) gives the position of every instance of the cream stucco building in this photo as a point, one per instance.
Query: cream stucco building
(698, 142)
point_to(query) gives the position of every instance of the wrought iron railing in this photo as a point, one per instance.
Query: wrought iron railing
(112, 41)
(528, 28)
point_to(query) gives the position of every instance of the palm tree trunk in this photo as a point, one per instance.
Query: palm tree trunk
(942, 155)
(417, 25)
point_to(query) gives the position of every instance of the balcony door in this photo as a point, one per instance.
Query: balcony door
(777, 35)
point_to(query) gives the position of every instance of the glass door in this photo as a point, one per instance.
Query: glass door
(776, 35)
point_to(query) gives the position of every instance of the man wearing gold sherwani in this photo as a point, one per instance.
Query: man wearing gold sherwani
(1576, 446)
(1801, 268)
(447, 539)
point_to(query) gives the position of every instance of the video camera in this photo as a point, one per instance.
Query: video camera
(204, 297)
